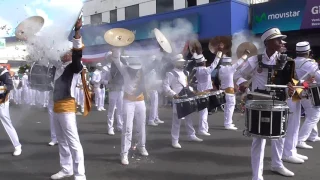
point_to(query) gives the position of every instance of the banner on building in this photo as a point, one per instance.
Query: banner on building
(287, 15)
(2, 43)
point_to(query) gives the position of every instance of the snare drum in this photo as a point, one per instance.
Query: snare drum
(314, 92)
(185, 106)
(202, 101)
(216, 99)
(41, 77)
(266, 119)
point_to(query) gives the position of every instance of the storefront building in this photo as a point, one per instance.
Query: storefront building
(221, 18)
(299, 19)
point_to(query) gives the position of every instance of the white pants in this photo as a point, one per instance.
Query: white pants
(70, 148)
(17, 96)
(77, 95)
(314, 134)
(81, 99)
(257, 156)
(7, 124)
(99, 97)
(176, 123)
(32, 94)
(203, 121)
(115, 102)
(291, 139)
(154, 105)
(312, 115)
(133, 110)
(52, 126)
(229, 109)
(26, 95)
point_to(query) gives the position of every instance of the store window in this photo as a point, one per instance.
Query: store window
(96, 19)
(132, 12)
(164, 6)
(190, 3)
(113, 16)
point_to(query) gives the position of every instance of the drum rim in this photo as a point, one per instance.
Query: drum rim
(247, 133)
(182, 100)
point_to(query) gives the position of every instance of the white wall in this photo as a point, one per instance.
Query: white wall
(148, 8)
(121, 13)
(13, 51)
(106, 17)
(179, 4)
(200, 2)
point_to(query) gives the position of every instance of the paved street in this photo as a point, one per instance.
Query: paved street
(224, 155)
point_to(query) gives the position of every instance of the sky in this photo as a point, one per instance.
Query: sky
(56, 13)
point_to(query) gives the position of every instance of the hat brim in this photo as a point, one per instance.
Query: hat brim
(278, 36)
(135, 66)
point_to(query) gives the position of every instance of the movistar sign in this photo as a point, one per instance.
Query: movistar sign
(276, 16)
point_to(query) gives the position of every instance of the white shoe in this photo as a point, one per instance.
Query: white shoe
(293, 160)
(111, 132)
(124, 160)
(17, 151)
(195, 139)
(102, 109)
(158, 121)
(305, 158)
(304, 145)
(317, 139)
(52, 143)
(231, 128)
(61, 175)
(152, 123)
(143, 151)
(203, 133)
(283, 171)
(99, 109)
(176, 145)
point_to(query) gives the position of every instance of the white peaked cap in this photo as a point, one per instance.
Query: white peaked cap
(226, 59)
(98, 65)
(133, 63)
(178, 58)
(272, 33)
(84, 67)
(240, 80)
(303, 46)
(199, 57)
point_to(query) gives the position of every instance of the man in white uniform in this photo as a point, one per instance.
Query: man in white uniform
(25, 88)
(305, 65)
(272, 40)
(173, 84)
(226, 73)
(6, 85)
(99, 89)
(134, 107)
(203, 75)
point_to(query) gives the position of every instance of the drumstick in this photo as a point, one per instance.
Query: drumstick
(282, 86)
(260, 94)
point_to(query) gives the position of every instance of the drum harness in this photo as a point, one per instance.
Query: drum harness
(185, 92)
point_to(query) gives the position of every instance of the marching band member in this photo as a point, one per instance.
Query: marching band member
(54, 140)
(6, 85)
(203, 75)
(272, 40)
(25, 88)
(173, 84)
(115, 84)
(99, 89)
(64, 108)
(17, 89)
(134, 107)
(226, 72)
(305, 65)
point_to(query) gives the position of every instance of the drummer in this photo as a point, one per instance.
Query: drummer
(174, 82)
(203, 75)
(272, 40)
(226, 72)
(305, 65)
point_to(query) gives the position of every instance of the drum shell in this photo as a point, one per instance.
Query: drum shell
(314, 92)
(202, 102)
(185, 107)
(266, 122)
(41, 77)
(216, 99)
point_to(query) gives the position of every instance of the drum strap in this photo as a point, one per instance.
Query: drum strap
(269, 67)
(178, 78)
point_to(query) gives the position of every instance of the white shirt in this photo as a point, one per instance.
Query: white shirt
(96, 78)
(173, 85)
(203, 75)
(226, 74)
(250, 69)
(24, 80)
(304, 66)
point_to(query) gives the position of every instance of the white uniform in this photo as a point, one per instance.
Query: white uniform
(226, 77)
(173, 86)
(203, 75)
(153, 85)
(16, 92)
(132, 110)
(25, 89)
(51, 119)
(98, 91)
(304, 66)
(258, 145)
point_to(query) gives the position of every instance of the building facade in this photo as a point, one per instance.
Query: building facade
(97, 12)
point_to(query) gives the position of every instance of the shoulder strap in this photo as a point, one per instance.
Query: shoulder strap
(177, 76)
(260, 60)
(309, 60)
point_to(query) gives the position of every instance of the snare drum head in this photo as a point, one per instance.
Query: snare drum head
(266, 104)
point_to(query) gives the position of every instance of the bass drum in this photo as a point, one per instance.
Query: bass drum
(41, 77)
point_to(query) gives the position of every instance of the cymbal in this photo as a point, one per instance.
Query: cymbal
(163, 41)
(29, 27)
(119, 37)
(195, 46)
(247, 46)
(214, 43)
